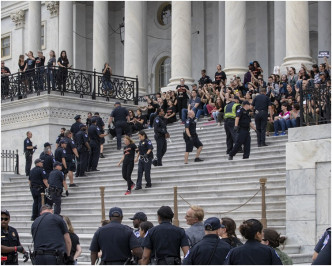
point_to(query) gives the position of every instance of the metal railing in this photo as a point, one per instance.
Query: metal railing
(315, 105)
(9, 161)
(69, 80)
(143, 97)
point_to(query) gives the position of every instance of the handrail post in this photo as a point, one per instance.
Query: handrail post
(136, 98)
(102, 197)
(17, 163)
(176, 213)
(42, 198)
(94, 85)
(262, 182)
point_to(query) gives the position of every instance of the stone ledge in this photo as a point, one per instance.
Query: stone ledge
(309, 133)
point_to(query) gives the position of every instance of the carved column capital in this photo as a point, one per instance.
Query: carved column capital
(53, 7)
(18, 18)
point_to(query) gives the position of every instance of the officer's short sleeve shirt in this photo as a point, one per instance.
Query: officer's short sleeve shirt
(261, 102)
(56, 178)
(27, 143)
(10, 238)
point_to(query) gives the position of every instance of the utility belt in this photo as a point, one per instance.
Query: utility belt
(60, 255)
(260, 111)
(166, 261)
(37, 186)
(56, 190)
(11, 258)
(117, 262)
(229, 119)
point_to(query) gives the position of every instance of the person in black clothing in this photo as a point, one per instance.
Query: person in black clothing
(5, 72)
(95, 135)
(28, 151)
(145, 156)
(51, 238)
(228, 234)
(262, 105)
(191, 138)
(48, 161)
(101, 126)
(10, 241)
(116, 241)
(88, 120)
(107, 84)
(71, 152)
(60, 155)
(121, 118)
(128, 162)
(83, 149)
(210, 250)
(56, 182)
(60, 137)
(63, 64)
(42, 154)
(204, 79)
(165, 240)
(220, 76)
(252, 252)
(30, 69)
(160, 134)
(140, 120)
(37, 183)
(75, 128)
(182, 96)
(170, 113)
(322, 254)
(40, 62)
(242, 126)
(51, 70)
(76, 249)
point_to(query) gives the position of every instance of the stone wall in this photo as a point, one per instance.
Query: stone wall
(308, 185)
(44, 115)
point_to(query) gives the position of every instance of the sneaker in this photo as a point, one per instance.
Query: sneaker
(230, 158)
(282, 133)
(73, 185)
(132, 185)
(198, 160)
(138, 188)
(102, 155)
(128, 192)
(275, 134)
(148, 186)
(264, 144)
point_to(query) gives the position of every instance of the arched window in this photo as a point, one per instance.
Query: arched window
(165, 14)
(163, 73)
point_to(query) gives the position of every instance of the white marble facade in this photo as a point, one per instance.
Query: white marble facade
(273, 33)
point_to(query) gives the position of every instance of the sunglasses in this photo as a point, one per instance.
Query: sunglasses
(4, 219)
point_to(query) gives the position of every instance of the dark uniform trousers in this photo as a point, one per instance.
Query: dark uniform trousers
(161, 147)
(182, 104)
(120, 127)
(94, 155)
(82, 162)
(28, 162)
(35, 192)
(127, 169)
(261, 122)
(144, 165)
(55, 194)
(231, 135)
(243, 138)
(46, 260)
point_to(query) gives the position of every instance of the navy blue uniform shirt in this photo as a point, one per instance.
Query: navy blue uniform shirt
(191, 124)
(48, 163)
(115, 240)
(245, 119)
(81, 139)
(144, 146)
(253, 253)
(261, 102)
(166, 240)
(59, 154)
(10, 239)
(93, 133)
(120, 114)
(75, 128)
(27, 143)
(159, 126)
(37, 175)
(49, 235)
(70, 146)
(56, 178)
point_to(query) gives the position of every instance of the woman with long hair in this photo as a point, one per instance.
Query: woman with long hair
(76, 249)
(228, 232)
(128, 162)
(63, 64)
(51, 70)
(23, 77)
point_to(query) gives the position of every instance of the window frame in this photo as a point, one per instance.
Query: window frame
(3, 36)
(43, 46)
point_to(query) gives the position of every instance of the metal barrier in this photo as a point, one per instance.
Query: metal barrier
(9, 161)
(102, 199)
(69, 80)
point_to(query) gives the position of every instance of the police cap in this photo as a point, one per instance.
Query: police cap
(245, 103)
(212, 224)
(4, 211)
(63, 142)
(38, 161)
(117, 103)
(56, 164)
(139, 216)
(77, 117)
(114, 211)
(94, 119)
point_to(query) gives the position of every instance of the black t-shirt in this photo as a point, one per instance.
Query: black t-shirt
(129, 152)
(115, 240)
(10, 239)
(59, 154)
(51, 62)
(63, 62)
(171, 110)
(48, 163)
(191, 124)
(100, 123)
(56, 178)
(93, 133)
(60, 137)
(52, 226)
(261, 102)
(37, 175)
(107, 74)
(155, 106)
(182, 91)
(22, 66)
(141, 118)
(219, 76)
(27, 143)
(204, 80)
(40, 61)
(245, 119)
(70, 146)
(31, 63)
(119, 114)
(74, 242)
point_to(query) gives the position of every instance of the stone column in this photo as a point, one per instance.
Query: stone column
(66, 29)
(279, 32)
(324, 28)
(297, 34)
(221, 38)
(181, 43)
(53, 23)
(235, 39)
(100, 34)
(18, 35)
(34, 26)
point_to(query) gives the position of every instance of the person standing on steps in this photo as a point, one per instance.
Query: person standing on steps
(145, 156)
(71, 152)
(182, 98)
(160, 135)
(28, 151)
(83, 148)
(229, 116)
(191, 138)
(101, 126)
(128, 159)
(242, 125)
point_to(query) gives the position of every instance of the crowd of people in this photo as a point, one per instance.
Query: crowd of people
(212, 241)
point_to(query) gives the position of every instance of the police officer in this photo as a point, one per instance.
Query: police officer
(83, 148)
(210, 250)
(60, 155)
(56, 181)
(60, 137)
(50, 238)
(121, 118)
(71, 152)
(37, 183)
(48, 161)
(10, 241)
(252, 252)
(145, 156)
(42, 154)
(138, 218)
(191, 138)
(95, 135)
(242, 126)
(116, 241)
(101, 126)
(165, 240)
(160, 133)
(28, 150)
(182, 96)
(229, 116)
(75, 128)
(262, 105)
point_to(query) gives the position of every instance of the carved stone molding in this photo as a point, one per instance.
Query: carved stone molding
(18, 18)
(53, 7)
